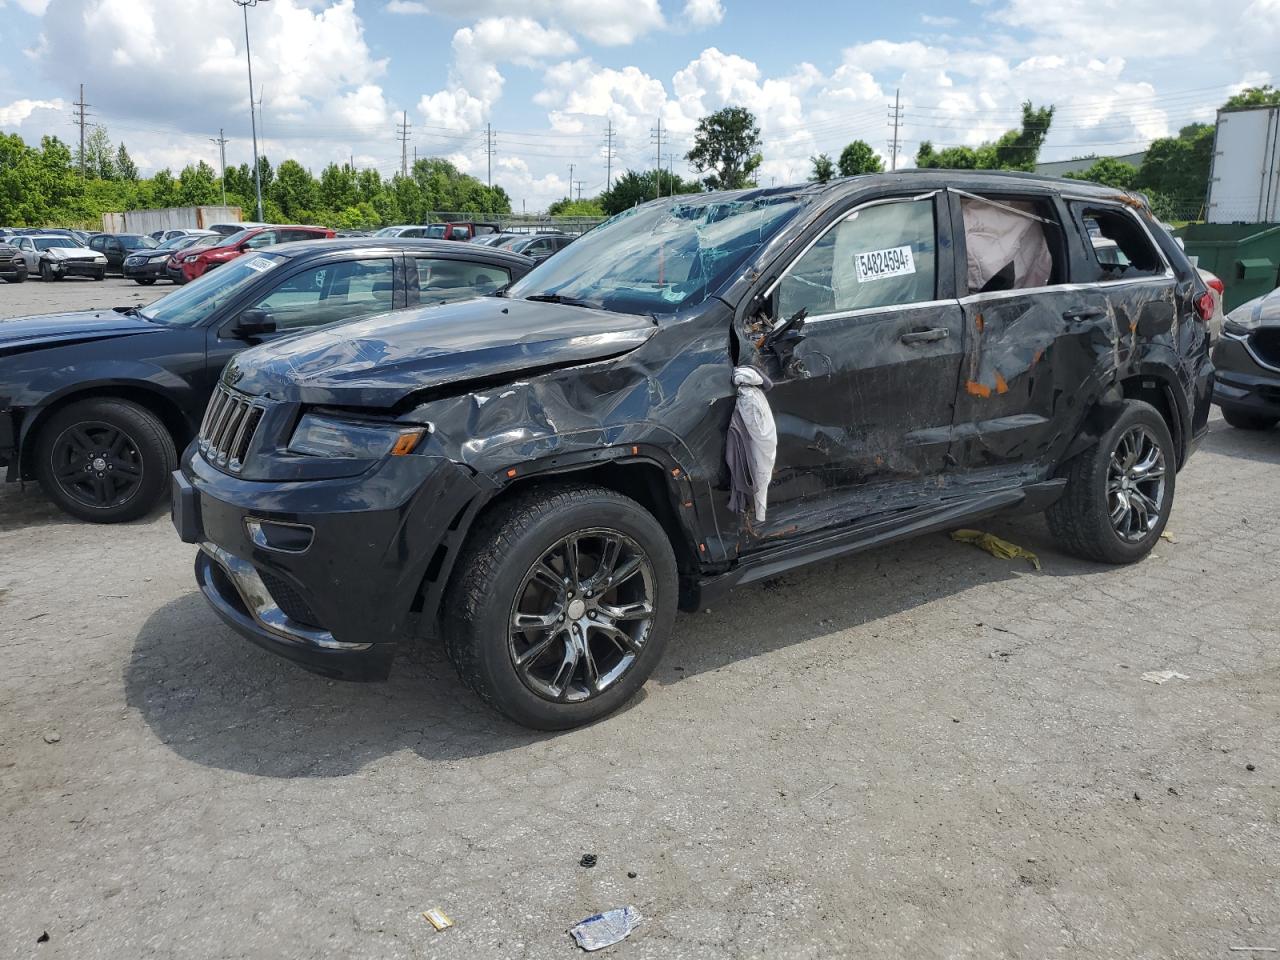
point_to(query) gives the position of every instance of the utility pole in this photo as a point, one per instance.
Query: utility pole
(402, 134)
(488, 149)
(571, 181)
(571, 185)
(895, 118)
(657, 135)
(80, 117)
(221, 141)
(608, 156)
(244, 6)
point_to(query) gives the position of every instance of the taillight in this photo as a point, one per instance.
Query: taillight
(1218, 285)
(1204, 306)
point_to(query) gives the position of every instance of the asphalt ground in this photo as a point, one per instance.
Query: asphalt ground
(922, 751)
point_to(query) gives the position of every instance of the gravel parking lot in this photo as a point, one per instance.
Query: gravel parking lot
(917, 752)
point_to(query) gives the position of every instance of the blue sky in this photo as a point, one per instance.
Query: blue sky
(549, 75)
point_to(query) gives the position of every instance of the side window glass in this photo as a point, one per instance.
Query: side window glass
(442, 281)
(1119, 246)
(331, 292)
(1011, 243)
(264, 239)
(878, 256)
(461, 233)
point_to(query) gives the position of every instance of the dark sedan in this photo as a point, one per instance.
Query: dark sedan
(148, 266)
(1247, 358)
(116, 246)
(13, 269)
(95, 405)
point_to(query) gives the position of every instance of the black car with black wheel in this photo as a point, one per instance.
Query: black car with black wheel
(1247, 360)
(145, 266)
(540, 479)
(95, 404)
(13, 268)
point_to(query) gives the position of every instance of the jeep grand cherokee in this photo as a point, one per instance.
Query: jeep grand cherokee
(543, 477)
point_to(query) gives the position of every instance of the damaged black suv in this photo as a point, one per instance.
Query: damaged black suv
(702, 392)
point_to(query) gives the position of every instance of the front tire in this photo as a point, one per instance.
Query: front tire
(100, 275)
(144, 281)
(1119, 492)
(1248, 421)
(46, 273)
(561, 605)
(105, 461)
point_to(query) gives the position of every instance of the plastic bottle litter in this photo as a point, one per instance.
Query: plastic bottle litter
(605, 929)
(1163, 676)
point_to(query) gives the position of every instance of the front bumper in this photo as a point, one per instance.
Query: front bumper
(13, 268)
(151, 269)
(174, 273)
(76, 268)
(343, 604)
(1243, 383)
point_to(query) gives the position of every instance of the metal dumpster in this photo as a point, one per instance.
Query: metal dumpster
(1245, 256)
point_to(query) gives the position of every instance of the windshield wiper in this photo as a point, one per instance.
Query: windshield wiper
(558, 298)
(132, 312)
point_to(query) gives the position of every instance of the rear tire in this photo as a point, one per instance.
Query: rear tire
(105, 461)
(1113, 510)
(517, 568)
(1248, 421)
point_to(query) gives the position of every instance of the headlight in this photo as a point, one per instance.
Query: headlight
(318, 436)
(1243, 320)
(99, 258)
(191, 259)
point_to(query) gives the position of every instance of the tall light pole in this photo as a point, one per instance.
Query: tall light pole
(244, 6)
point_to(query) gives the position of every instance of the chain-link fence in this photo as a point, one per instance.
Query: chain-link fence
(519, 222)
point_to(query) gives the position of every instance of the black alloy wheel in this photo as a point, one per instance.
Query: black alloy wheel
(104, 460)
(561, 603)
(582, 615)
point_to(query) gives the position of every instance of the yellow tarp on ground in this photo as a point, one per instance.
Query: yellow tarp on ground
(994, 545)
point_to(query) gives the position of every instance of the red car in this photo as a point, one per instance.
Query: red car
(196, 263)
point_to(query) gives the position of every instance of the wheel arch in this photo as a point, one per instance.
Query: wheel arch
(143, 394)
(1155, 386)
(642, 475)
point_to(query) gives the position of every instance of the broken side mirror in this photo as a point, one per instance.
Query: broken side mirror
(253, 322)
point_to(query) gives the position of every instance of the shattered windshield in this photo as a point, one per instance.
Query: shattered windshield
(660, 257)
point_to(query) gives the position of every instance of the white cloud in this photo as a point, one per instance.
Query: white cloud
(929, 20)
(606, 22)
(17, 112)
(408, 7)
(702, 13)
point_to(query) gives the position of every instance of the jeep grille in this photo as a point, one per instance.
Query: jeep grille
(228, 429)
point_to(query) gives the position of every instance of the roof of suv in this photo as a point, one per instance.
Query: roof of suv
(450, 248)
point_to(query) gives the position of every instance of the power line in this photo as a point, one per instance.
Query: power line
(896, 119)
(221, 141)
(488, 149)
(402, 134)
(657, 135)
(608, 156)
(81, 115)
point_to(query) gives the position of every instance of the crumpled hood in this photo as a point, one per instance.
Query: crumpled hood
(378, 361)
(1263, 311)
(72, 253)
(64, 328)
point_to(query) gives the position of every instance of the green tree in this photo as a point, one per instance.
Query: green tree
(633, 187)
(822, 168)
(98, 159)
(337, 187)
(1109, 172)
(126, 169)
(858, 157)
(1263, 96)
(576, 208)
(197, 185)
(1177, 168)
(1014, 150)
(727, 143)
(294, 191)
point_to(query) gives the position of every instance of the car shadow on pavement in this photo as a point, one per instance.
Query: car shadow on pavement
(1261, 445)
(218, 700)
